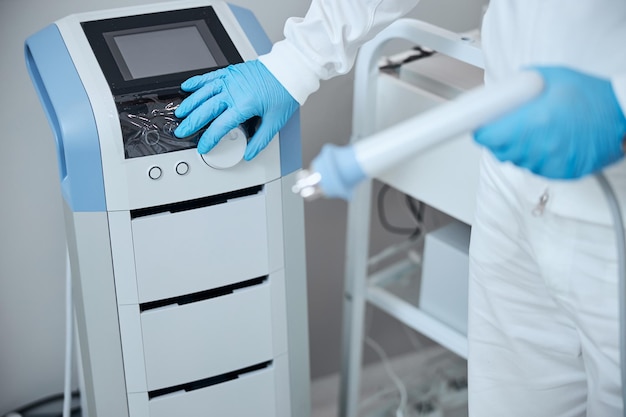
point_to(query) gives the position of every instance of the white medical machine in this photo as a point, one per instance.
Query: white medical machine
(188, 270)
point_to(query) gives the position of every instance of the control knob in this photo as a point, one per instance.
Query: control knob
(228, 151)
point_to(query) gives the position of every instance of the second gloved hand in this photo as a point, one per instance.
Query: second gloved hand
(574, 128)
(230, 96)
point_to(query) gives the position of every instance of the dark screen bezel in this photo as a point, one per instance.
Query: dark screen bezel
(95, 32)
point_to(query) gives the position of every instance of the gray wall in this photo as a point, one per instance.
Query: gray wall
(31, 223)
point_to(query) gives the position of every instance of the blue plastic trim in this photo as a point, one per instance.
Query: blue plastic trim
(69, 113)
(290, 136)
(291, 145)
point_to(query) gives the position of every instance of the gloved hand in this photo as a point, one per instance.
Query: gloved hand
(229, 97)
(574, 128)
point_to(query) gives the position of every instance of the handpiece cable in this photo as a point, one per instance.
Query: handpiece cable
(620, 239)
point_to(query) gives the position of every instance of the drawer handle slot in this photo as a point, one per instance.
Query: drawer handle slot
(207, 382)
(202, 295)
(196, 203)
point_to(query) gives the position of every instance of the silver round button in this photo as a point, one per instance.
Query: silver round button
(182, 168)
(155, 172)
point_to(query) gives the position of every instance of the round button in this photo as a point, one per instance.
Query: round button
(229, 150)
(155, 172)
(182, 168)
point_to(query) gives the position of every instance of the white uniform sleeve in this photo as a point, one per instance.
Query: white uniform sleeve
(325, 42)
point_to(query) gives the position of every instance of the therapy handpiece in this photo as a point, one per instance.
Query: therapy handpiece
(336, 171)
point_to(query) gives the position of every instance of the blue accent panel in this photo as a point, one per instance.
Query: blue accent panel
(291, 145)
(290, 137)
(253, 29)
(69, 113)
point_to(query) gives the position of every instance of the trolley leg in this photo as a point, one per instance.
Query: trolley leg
(354, 299)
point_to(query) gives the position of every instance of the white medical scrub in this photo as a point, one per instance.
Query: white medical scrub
(543, 307)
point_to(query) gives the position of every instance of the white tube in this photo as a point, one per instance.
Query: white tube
(383, 150)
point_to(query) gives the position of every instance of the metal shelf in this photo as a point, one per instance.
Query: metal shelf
(380, 293)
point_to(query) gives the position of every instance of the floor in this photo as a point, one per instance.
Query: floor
(434, 380)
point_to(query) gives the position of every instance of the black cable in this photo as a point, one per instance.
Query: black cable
(72, 411)
(416, 212)
(42, 401)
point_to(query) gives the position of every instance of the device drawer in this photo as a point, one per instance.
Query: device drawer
(250, 394)
(199, 340)
(199, 249)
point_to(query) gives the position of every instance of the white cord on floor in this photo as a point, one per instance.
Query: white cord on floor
(397, 381)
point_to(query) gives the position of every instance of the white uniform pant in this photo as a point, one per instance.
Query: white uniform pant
(543, 309)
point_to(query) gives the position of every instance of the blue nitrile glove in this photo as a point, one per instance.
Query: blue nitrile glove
(574, 128)
(339, 169)
(230, 96)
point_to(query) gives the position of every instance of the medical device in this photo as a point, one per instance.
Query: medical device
(188, 270)
(336, 171)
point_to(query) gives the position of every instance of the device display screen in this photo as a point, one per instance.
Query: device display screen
(164, 49)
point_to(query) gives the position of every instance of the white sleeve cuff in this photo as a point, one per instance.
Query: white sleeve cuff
(288, 66)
